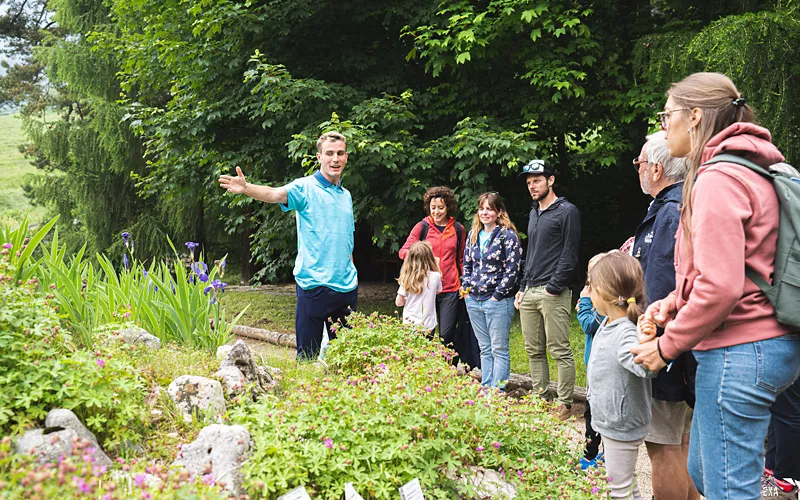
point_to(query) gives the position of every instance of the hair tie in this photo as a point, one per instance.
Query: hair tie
(739, 102)
(632, 300)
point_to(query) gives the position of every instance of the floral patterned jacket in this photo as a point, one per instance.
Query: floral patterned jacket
(496, 273)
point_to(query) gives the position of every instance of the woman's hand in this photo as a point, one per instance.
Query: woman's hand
(518, 299)
(647, 354)
(646, 329)
(662, 311)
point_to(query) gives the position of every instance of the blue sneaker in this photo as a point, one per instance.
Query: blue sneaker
(585, 464)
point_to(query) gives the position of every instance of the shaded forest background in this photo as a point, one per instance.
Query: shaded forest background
(132, 108)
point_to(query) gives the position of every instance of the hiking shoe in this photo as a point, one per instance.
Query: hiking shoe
(597, 460)
(563, 412)
(773, 488)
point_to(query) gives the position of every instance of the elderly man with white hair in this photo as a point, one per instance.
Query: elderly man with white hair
(661, 176)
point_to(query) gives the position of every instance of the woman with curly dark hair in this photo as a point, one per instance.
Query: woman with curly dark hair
(447, 237)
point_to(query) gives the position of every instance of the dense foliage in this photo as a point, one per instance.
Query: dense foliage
(156, 98)
(41, 369)
(392, 408)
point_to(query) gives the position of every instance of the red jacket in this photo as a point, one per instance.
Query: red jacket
(734, 222)
(444, 246)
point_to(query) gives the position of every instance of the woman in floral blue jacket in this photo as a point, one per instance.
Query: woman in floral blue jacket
(491, 273)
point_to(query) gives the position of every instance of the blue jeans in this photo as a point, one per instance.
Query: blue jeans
(735, 387)
(491, 321)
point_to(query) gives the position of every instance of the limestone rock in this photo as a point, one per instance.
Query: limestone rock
(239, 369)
(489, 484)
(45, 447)
(193, 394)
(139, 336)
(60, 419)
(219, 450)
(222, 351)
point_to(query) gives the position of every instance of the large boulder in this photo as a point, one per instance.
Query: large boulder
(219, 450)
(139, 336)
(45, 447)
(62, 428)
(239, 369)
(193, 395)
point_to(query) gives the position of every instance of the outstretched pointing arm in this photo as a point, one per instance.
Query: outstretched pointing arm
(238, 185)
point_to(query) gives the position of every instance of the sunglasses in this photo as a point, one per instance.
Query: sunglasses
(534, 167)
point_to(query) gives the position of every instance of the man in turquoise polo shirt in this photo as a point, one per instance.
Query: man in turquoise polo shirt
(327, 283)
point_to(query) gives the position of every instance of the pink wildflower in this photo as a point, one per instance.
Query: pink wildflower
(479, 449)
(595, 490)
(7, 245)
(328, 442)
(100, 362)
(428, 389)
(470, 402)
(496, 445)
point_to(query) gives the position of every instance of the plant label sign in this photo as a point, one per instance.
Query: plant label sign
(350, 493)
(412, 491)
(298, 493)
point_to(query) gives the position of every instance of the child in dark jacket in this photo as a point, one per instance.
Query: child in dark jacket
(590, 321)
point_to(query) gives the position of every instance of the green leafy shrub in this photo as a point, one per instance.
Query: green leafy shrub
(40, 370)
(76, 476)
(407, 415)
(380, 338)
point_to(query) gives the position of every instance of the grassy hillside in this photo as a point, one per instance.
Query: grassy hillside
(13, 169)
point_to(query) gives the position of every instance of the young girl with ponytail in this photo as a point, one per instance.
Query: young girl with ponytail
(729, 223)
(619, 393)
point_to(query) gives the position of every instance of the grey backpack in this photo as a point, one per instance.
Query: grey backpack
(784, 292)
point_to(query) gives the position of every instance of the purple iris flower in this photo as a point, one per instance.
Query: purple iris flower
(199, 268)
(191, 245)
(207, 289)
(125, 236)
(125, 260)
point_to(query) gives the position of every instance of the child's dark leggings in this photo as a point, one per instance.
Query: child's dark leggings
(592, 436)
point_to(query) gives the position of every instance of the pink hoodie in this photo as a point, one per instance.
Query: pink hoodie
(734, 222)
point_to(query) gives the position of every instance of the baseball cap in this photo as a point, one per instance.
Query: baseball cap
(537, 167)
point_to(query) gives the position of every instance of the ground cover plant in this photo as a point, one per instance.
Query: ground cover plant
(391, 408)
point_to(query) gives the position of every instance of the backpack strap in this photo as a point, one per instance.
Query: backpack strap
(738, 160)
(459, 246)
(423, 230)
(755, 167)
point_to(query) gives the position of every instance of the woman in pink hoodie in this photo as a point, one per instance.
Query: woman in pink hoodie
(729, 220)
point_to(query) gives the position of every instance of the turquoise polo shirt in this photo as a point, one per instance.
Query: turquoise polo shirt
(325, 227)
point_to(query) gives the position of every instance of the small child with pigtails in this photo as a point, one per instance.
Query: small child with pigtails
(619, 392)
